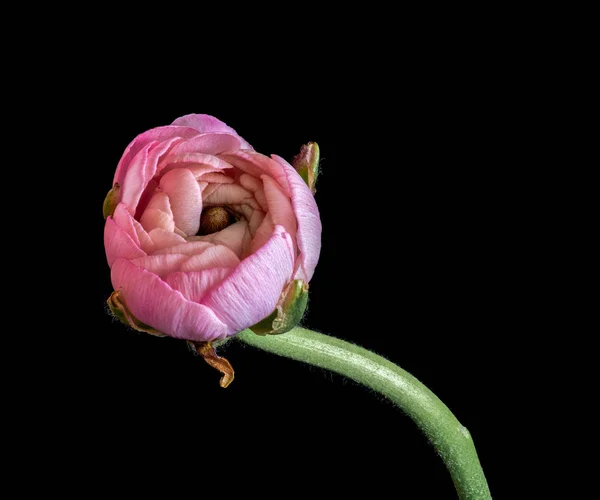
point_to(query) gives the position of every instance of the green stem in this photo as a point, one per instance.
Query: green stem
(451, 440)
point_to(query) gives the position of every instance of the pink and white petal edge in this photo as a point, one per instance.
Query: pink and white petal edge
(307, 215)
(207, 124)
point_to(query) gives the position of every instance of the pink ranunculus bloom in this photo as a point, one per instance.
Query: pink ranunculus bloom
(179, 275)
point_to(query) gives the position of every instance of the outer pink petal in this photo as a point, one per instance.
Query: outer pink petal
(189, 248)
(161, 265)
(211, 144)
(155, 303)
(206, 124)
(251, 292)
(214, 256)
(185, 197)
(158, 134)
(141, 171)
(195, 285)
(118, 244)
(256, 164)
(307, 215)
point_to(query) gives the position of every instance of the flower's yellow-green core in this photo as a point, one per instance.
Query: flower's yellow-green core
(214, 219)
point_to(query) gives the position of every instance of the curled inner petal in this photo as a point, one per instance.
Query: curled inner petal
(185, 197)
(153, 218)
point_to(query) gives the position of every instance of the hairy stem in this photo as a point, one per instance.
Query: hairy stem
(450, 439)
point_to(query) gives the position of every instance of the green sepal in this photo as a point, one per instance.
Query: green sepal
(288, 313)
(111, 201)
(306, 164)
(119, 310)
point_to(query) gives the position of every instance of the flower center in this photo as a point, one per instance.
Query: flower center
(214, 219)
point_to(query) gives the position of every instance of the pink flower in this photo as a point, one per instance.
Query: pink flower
(192, 271)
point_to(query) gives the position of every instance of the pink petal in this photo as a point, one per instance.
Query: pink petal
(160, 201)
(262, 234)
(280, 207)
(146, 197)
(193, 161)
(214, 177)
(161, 265)
(145, 241)
(185, 197)
(141, 171)
(234, 237)
(250, 182)
(197, 170)
(307, 215)
(229, 194)
(194, 285)
(126, 222)
(155, 303)
(158, 134)
(256, 164)
(255, 221)
(245, 210)
(118, 244)
(162, 238)
(206, 124)
(152, 218)
(214, 256)
(252, 291)
(256, 187)
(188, 248)
(208, 189)
(211, 144)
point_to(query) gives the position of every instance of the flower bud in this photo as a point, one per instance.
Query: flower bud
(306, 164)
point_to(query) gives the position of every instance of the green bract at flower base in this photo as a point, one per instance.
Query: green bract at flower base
(208, 352)
(119, 310)
(111, 201)
(288, 313)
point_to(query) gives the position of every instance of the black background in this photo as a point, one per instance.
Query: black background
(417, 265)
